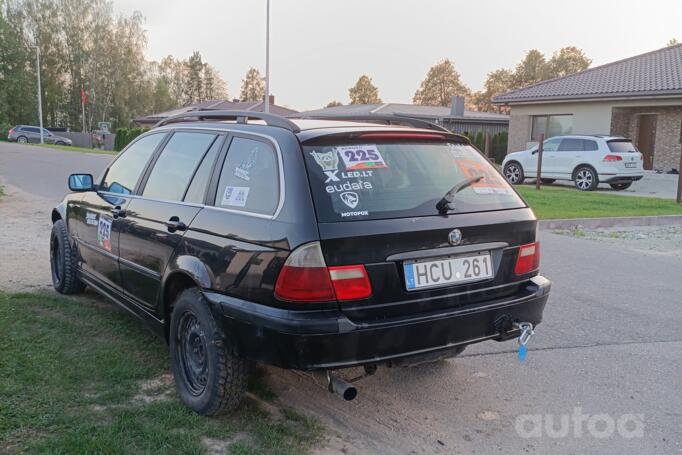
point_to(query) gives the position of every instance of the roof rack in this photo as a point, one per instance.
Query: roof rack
(238, 116)
(387, 119)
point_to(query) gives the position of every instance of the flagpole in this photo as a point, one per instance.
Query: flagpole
(40, 97)
(267, 57)
(83, 106)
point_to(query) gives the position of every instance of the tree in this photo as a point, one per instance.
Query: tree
(364, 92)
(532, 69)
(441, 84)
(672, 42)
(253, 86)
(194, 87)
(334, 103)
(497, 82)
(214, 87)
(567, 60)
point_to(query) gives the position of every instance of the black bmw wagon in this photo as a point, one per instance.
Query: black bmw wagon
(307, 244)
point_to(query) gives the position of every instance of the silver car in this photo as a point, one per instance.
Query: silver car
(25, 133)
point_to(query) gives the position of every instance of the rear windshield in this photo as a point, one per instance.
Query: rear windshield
(397, 180)
(622, 147)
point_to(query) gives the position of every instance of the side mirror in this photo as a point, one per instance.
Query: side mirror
(81, 182)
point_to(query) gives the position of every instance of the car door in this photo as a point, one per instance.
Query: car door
(549, 148)
(158, 218)
(32, 134)
(571, 152)
(96, 220)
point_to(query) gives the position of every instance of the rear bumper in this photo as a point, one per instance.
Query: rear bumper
(326, 339)
(619, 178)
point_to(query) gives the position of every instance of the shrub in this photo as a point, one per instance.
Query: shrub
(4, 131)
(125, 136)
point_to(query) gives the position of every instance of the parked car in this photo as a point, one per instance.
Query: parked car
(25, 133)
(305, 244)
(586, 160)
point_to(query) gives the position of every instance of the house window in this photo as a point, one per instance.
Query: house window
(551, 125)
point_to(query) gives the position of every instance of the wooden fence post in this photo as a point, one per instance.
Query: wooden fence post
(538, 180)
(679, 181)
(487, 146)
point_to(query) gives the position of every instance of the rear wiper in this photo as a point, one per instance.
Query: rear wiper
(445, 203)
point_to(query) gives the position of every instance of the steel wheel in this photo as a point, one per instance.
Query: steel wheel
(512, 173)
(192, 349)
(585, 179)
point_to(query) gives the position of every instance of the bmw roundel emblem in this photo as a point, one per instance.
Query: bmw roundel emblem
(455, 237)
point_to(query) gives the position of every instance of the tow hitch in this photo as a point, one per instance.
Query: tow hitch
(527, 332)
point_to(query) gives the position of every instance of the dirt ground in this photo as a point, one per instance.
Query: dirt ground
(24, 241)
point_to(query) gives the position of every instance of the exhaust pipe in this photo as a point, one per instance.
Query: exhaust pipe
(336, 385)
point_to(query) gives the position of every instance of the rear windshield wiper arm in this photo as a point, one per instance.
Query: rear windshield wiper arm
(445, 203)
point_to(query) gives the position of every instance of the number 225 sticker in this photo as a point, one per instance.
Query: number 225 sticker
(358, 157)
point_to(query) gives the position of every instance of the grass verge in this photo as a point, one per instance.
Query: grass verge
(77, 376)
(558, 203)
(71, 148)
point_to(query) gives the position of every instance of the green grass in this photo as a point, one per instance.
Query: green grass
(2, 191)
(71, 148)
(557, 203)
(72, 370)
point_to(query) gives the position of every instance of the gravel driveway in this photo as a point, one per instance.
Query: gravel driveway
(609, 350)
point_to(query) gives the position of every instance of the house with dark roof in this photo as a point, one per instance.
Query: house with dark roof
(234, 105)
(455, 118)
(638, 97)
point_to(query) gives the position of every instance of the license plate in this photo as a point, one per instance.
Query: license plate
(446, 271)
(630, 164)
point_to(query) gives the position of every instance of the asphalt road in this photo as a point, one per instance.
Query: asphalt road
(44, 171)
(603, 372)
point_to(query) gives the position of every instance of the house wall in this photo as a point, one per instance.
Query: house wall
(667, 146)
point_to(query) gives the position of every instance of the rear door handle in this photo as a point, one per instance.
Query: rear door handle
(174, 224)
(118, 212)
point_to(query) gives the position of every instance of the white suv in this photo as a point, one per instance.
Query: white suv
(586, 160)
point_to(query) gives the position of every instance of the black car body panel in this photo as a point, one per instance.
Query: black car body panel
(139, 251)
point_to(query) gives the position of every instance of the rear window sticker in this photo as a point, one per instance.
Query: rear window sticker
(91, 218)
(348, 186)
(104, 233)
(235, 196)
(242, 171)
(350, 198)
(360, 213)
(328, 161)
(359, 157)
(491, 183)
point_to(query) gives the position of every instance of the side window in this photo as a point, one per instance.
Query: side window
(551, 145)
(30, 129)
(123, 175)
(589, 146)
(249, 179)
(571, 145)
(176, 165)
(197, 189)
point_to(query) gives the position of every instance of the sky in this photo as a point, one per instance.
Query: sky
(319, 48)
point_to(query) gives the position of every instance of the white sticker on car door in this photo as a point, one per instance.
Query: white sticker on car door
(235, 196)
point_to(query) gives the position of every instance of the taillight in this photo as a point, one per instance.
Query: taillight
(10, 132)
(305, 277)
(528, 259)
(350, 282)
(641, 157)
(613, 158)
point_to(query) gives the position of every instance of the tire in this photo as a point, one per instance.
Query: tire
(585, 178)
(548, 181)
(209, 376)
(59, 143)
(22, 140)
(621, 186)
(63, 260)
(513, 172)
